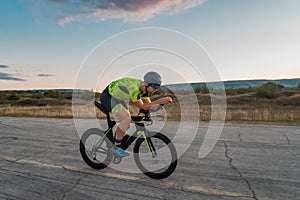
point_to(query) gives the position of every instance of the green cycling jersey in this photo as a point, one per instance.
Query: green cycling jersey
(127, 89)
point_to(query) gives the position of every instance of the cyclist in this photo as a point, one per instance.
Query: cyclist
(116, 93)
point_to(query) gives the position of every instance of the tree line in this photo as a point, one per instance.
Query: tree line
(268, 90)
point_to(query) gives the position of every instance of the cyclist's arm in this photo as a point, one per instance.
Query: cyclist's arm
(146, 100)
(147, 104)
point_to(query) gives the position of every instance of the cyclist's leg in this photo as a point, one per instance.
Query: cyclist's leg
(119, 110)
(124, 116)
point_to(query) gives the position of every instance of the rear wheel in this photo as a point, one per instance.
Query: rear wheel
(95, 150)
(156, 158)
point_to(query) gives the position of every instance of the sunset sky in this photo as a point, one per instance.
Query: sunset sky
(43, 43)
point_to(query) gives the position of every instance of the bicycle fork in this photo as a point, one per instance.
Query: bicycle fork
(149, 144)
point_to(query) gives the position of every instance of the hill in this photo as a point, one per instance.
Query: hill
(289, 83)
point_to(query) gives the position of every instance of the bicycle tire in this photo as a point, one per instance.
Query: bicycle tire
(170, 152)
(90, 138)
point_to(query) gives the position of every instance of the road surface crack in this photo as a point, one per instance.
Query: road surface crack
(287, 139)
(237, 171)
(24, 158)
(14, 127)
(73, 187)
(240, 137)
(7, 139)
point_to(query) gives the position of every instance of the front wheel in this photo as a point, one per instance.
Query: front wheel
(155, 156)
(95, 148)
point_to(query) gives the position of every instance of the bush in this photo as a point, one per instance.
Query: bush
(29, 102)
(231, 91)
(298, 87)
(268, 90)
(66, 95)
(3, 98)
(201, 89)
(244, 90)
(88, 95)
(38, 95)
(13, 97)
(52, 94)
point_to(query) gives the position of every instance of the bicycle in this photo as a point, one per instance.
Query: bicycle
(154, 153)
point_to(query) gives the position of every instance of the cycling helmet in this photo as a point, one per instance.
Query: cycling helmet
(152, 78)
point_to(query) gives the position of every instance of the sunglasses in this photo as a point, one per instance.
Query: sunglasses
(154, 85)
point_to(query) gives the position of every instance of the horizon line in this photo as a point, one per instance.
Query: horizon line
(95, 90)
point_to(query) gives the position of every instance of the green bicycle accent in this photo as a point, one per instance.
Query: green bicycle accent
(139, 132)
(138, 122)
(146, 141)
(101, 140)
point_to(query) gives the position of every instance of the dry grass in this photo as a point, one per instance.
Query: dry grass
(50, 111)
(240, 108)
(239, 113)
(247, 109)
(37, 111)
(277, 114)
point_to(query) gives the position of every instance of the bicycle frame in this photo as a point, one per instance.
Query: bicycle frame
(127, 140)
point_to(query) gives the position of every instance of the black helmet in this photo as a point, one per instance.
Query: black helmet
(152, 77)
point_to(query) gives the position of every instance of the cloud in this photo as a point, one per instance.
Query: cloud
(3, 66)
(61, 20)
(67, 11)
(9, 77)
(45, 75)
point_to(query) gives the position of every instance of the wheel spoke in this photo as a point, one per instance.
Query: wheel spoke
(96, 158)
(160, 164)
(102, 150)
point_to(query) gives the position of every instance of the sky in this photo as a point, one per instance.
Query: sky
(45, 44)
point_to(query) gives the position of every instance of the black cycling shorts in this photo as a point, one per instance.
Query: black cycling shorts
(110, 102)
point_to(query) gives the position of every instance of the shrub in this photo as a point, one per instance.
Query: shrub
(52, 94)
(3, 97)
(29, 102)
(13, 97)
(298, 87)
(201, 89)
(38, 95)
(88, 95)
(231, 91)
(268, 90)
(67, 95)
(244, 90)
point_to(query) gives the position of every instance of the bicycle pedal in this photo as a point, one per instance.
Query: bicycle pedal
(116, 159)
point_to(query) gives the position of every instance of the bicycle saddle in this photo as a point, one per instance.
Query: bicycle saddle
(100, 106)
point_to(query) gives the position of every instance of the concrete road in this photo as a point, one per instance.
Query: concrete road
(40, 159)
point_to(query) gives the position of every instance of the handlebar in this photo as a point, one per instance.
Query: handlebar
(160, 107)
(147, 112)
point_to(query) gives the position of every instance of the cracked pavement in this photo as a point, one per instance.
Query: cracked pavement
(40, 159)
(237, 170)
